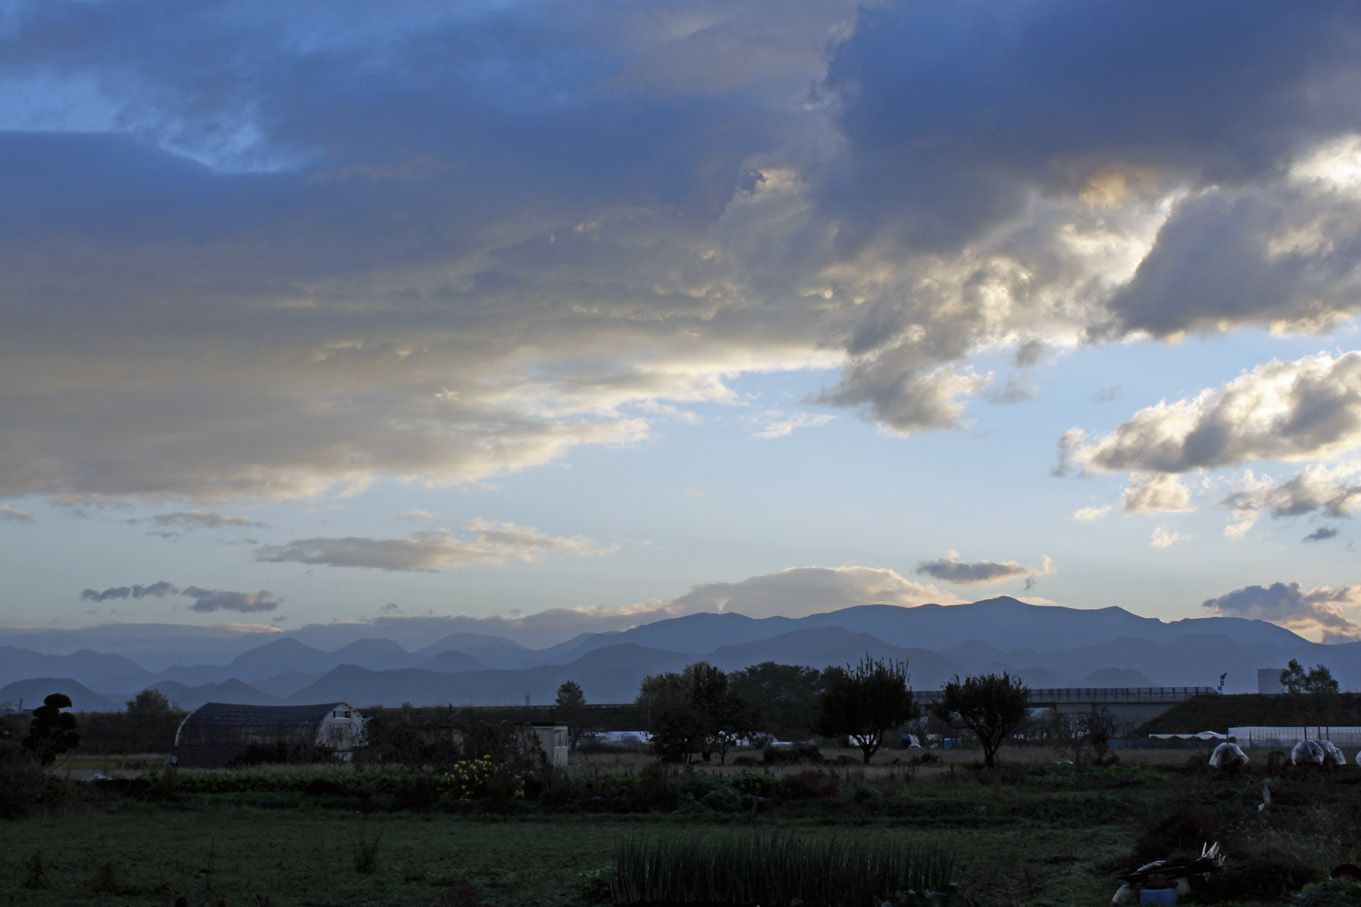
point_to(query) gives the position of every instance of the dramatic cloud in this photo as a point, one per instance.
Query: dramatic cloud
(799, 591)
(952, 570)
(14, 514)
(1331, 490)
(1089, 514)
(1157, 493)
(511, 230)
(1285, 253)
(1326, 610)
(1166, 538)
(1279, 411)
(483, 542)
(1322, 534)
(205, 600)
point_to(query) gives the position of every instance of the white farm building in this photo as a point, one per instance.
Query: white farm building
(218, 733)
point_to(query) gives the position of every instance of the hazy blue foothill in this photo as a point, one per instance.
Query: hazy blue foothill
(1048, 646)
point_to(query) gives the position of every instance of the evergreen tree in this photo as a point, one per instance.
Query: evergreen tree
(52, 730)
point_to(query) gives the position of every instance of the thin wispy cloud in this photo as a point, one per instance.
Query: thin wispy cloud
(773, 426)
(1165, 538)
(15, 515)
(1091, 514)
(480, 542)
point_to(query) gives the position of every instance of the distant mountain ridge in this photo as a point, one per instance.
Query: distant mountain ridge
(1046, 645)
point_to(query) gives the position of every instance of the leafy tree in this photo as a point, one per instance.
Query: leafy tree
(694, 712)
(784, 697)
(1293, 678)
(993, 706)
(52, 731)
(571, 710)
(1319, 682)
(149, 703)
(864, 701)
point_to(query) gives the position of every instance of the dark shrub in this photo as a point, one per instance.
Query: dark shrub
(1333, 893)
(868, 796)
(35, 876)
(1185, 829)
(757, 785)
(808, 786)
(1268, 876)
(418, 790)
(722, 799)
(654, 790)
(22, 783)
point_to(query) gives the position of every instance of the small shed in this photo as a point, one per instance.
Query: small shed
(553, 741)
(218, 733)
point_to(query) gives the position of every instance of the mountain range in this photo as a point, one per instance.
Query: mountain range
(1046, 645)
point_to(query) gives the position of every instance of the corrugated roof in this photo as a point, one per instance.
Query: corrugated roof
(216, 723)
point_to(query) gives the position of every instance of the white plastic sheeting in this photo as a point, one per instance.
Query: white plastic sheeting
(1279, 737)
(1308, 752)
(1228, 755)
(1188, 735)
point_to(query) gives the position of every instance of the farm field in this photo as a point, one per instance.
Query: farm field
(1030, 832)
(244, 855)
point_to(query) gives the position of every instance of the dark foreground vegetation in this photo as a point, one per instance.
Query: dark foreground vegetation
(453, 807)
(1025, 832)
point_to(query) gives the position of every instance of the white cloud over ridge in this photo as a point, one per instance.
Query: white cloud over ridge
(799, 591)
(794, 592)
(513, 230)
(1328, 612)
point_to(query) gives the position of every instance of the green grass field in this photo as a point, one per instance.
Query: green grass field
(245, 855)
(1035, 834)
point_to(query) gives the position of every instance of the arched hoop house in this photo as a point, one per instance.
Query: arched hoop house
(219, 733)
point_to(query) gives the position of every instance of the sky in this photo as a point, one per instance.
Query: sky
(334, 311)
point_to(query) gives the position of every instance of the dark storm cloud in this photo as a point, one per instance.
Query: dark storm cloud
(993, 100)
(277, 249)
